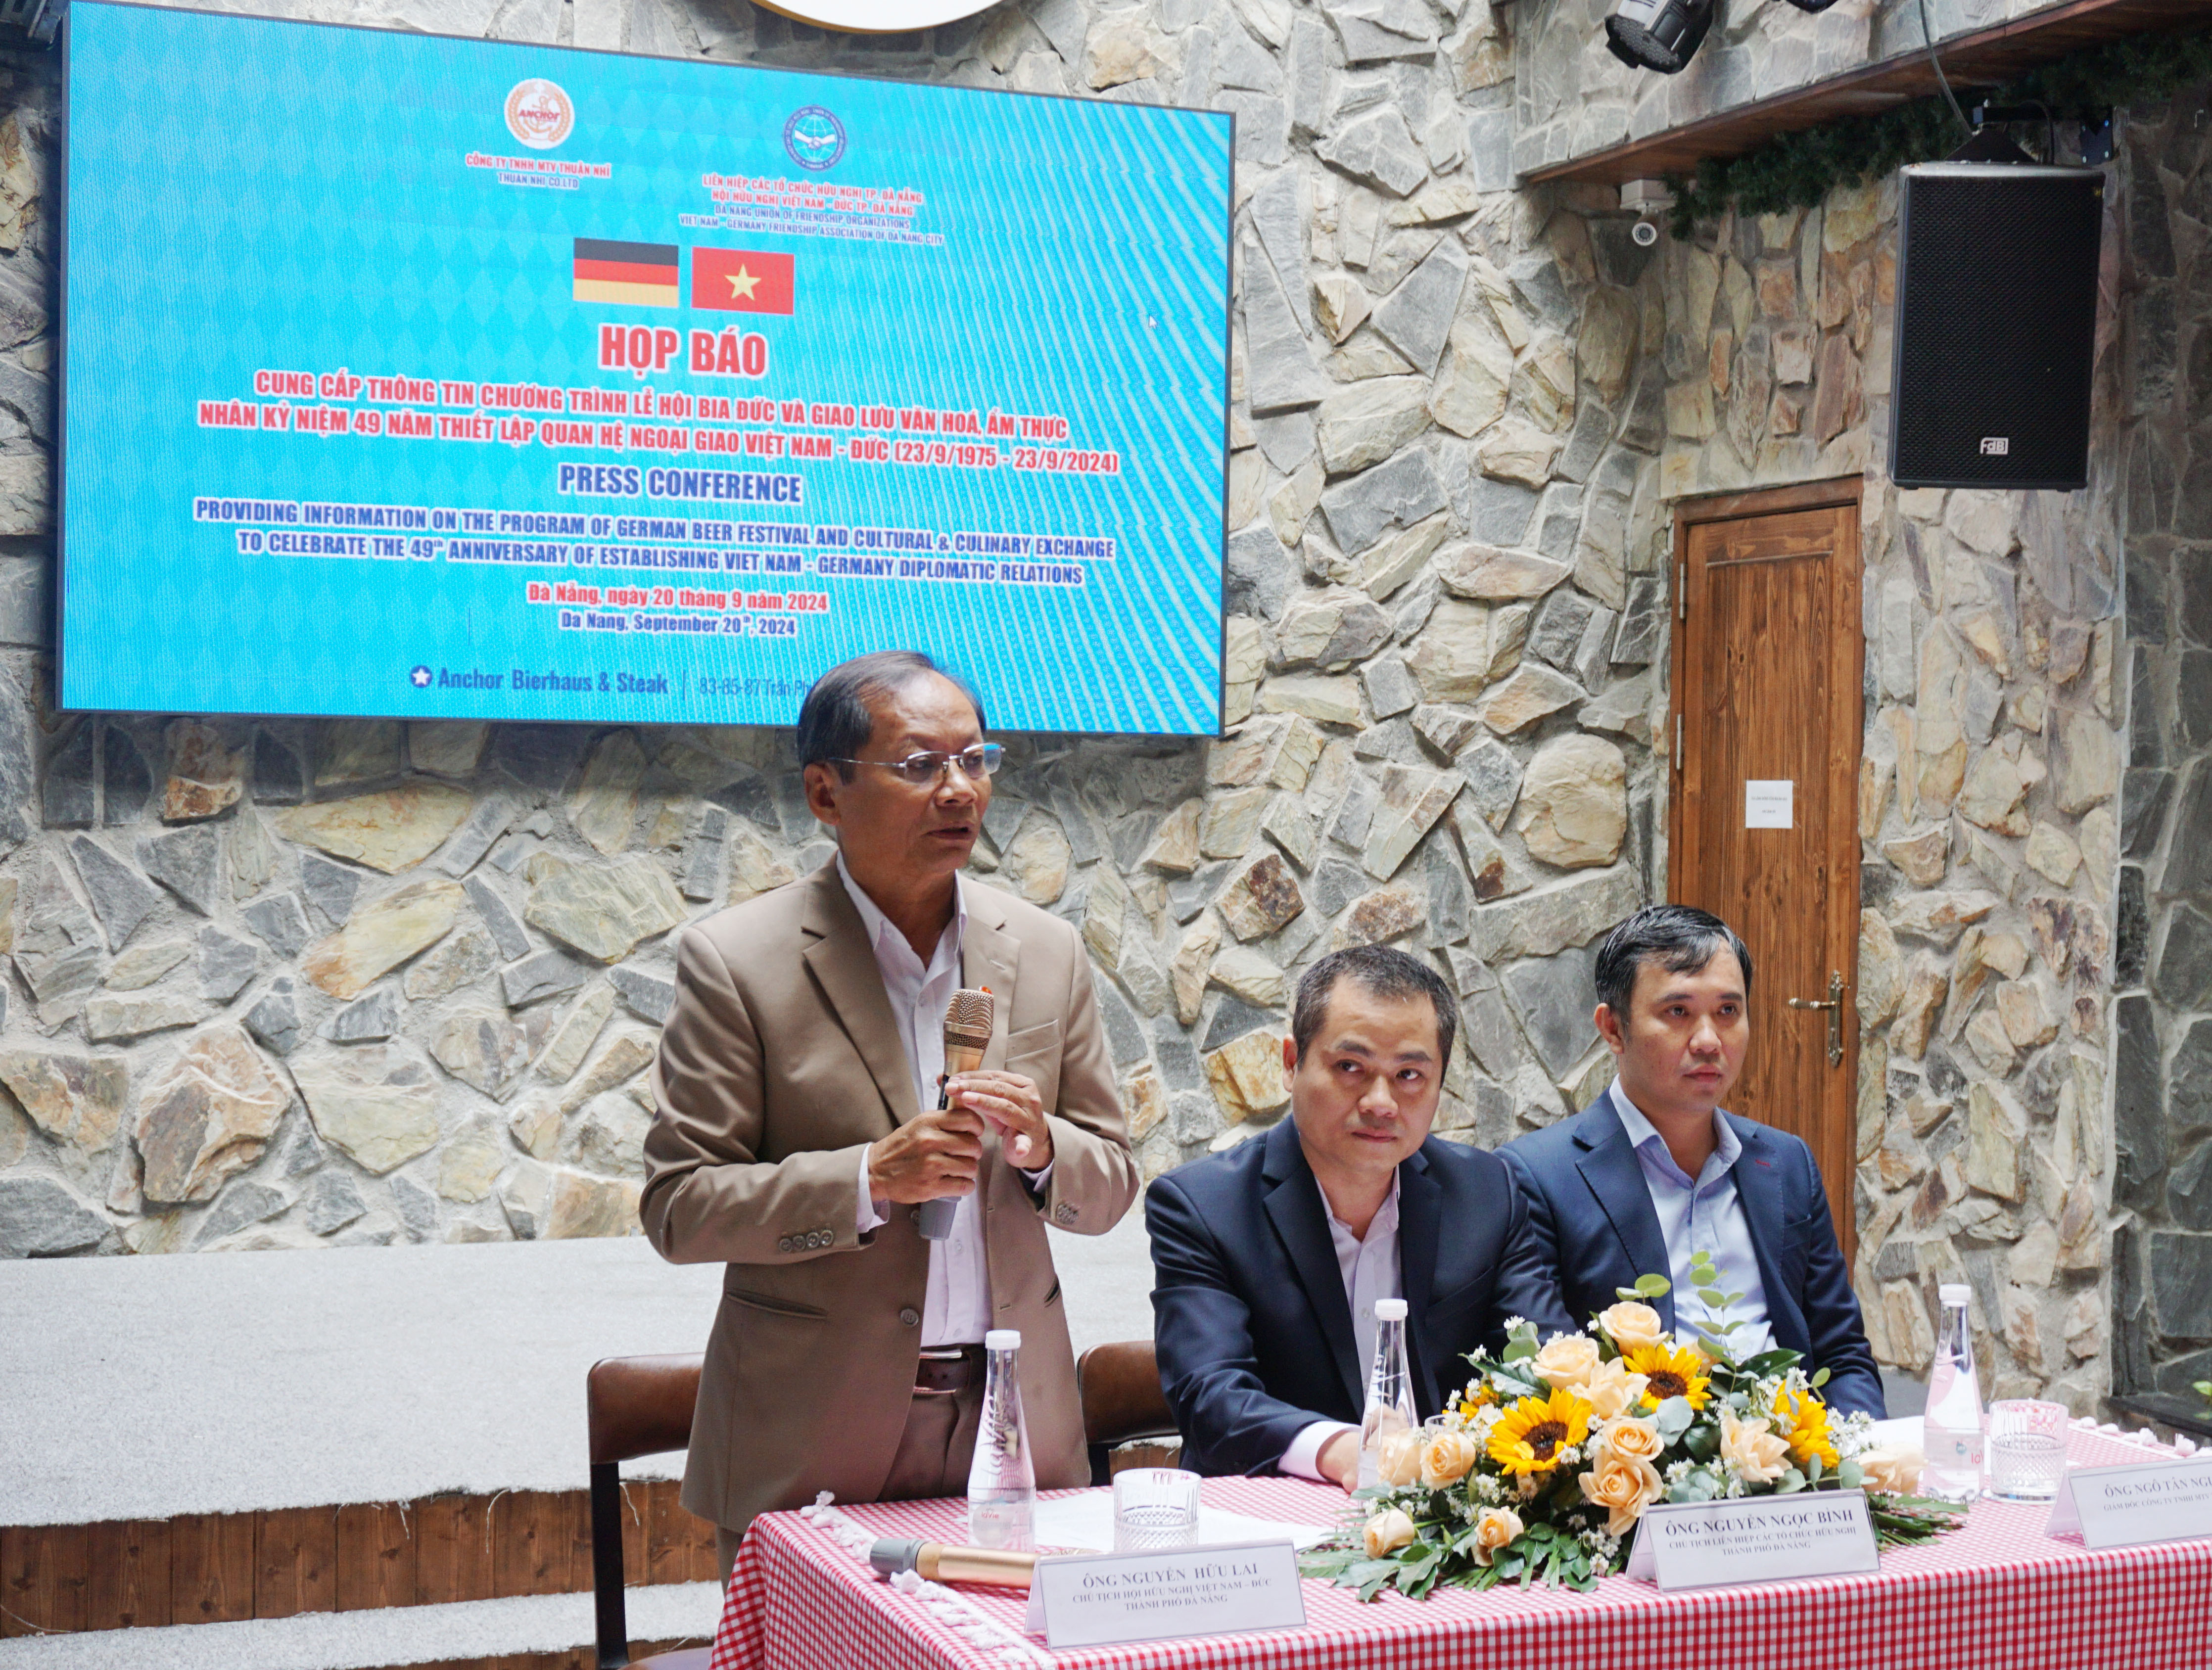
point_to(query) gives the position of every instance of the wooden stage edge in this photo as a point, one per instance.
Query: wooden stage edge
(225, 1568)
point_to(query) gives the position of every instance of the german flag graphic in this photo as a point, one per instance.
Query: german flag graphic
(635, 275)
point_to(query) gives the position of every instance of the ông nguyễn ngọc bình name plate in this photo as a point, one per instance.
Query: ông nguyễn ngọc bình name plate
(1754, 1539)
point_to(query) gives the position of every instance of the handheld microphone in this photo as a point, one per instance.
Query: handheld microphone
(948, 1563)
(967, 1035)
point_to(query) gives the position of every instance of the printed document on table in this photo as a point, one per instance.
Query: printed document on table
(1087, 1522)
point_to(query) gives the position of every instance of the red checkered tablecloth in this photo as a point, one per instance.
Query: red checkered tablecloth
(1997, 1594)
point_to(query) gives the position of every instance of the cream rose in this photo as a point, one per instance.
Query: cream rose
(1447, 1459)
(1623, 1487)
(1495, 1530)
(1630, 1324)
(1753, 1450)
(1398, 1458)
(1895, 1470)
(1388, 1531)
(1568, 1360)
(1611, 1390)
(1634, 1441)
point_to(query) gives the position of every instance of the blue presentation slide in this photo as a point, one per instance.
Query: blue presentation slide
(451, 379)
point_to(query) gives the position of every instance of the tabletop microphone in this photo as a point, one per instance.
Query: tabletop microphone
(967, 1035)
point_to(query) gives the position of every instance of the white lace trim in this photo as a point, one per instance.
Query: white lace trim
(948, 1607)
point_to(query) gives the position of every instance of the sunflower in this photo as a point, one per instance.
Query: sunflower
(1801, 1421)
(1528, 1437)
(1671, 1371)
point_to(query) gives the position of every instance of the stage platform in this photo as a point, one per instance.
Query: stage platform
(243, 1441)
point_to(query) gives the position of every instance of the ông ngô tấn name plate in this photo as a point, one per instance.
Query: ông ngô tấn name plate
(1101, 1600)
(2119, 1507)
(1754, 1539)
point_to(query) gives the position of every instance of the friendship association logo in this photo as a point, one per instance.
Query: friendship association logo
(419, 678)
(539, 114)
(814, 139)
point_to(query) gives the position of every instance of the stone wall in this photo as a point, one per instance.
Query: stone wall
(291, 982)
(2162, 960)
(1995, 707)
(1572, 97)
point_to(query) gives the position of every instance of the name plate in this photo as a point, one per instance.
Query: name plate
(1102, 1599)
(2120, 1507)
(1754, 1539)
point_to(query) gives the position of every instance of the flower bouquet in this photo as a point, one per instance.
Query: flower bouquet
(1538, 1470)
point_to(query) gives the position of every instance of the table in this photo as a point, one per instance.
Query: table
(1996, 1594)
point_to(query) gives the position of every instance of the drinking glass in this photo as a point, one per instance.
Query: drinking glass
(2027, 1448)
(1155, 1510)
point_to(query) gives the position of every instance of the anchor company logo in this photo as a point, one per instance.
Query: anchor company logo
(814, 139)
(540, 113)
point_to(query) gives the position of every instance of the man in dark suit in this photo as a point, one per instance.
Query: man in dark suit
(1270, 1257)
(1654, 1171)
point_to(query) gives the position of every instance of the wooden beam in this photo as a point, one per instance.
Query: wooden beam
(127, 1574)
(375, 1557)
(1983, 59)
(282, 1562)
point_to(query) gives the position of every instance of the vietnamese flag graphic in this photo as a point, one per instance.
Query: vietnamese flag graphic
(637, 274)
(741, 281)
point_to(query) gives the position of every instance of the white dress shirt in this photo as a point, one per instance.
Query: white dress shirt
(957, 1308)
(1703, 1216)
(1369, 1266)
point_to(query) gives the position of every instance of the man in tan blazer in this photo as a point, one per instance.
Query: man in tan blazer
(798, 1130)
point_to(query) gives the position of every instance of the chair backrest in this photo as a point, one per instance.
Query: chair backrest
(1119, 1387)
(633, 1405)
(640, 1406)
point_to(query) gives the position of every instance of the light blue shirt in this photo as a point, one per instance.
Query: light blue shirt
(1702, 1216)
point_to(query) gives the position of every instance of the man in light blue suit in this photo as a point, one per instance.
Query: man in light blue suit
(1654, 1171)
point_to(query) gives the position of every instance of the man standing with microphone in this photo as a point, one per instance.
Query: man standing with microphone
(872, 1238)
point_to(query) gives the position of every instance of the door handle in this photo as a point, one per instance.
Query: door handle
(1834, 1006)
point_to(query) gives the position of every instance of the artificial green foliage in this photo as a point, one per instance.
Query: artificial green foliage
(1798, 170)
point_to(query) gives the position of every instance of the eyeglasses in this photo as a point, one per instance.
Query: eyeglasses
(924, 769)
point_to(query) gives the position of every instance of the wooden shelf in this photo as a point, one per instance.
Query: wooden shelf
(1986, 58)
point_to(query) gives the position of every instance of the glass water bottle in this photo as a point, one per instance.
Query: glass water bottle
(1002, 1481)
(1389, 1410)
(1951, 1428)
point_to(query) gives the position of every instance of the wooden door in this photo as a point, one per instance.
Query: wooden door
(1768, 653)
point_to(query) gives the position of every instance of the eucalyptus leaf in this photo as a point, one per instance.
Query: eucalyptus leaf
(1820, 1378)
(1653, 1287)
(1675, 1417)
(1852, 1475)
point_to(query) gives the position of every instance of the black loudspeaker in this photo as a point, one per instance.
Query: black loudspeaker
(1996, 324)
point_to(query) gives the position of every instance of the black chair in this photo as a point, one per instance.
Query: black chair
(637, 1406)
(1120, 1387)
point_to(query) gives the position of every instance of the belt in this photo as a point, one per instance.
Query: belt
(948, 1369)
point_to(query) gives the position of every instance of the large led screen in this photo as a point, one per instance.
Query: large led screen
(454, 378)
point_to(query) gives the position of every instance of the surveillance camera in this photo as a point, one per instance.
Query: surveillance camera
(1658, 35)
(1646, 233)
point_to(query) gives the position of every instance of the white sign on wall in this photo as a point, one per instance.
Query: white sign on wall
(1770, 804)
(876, 17)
